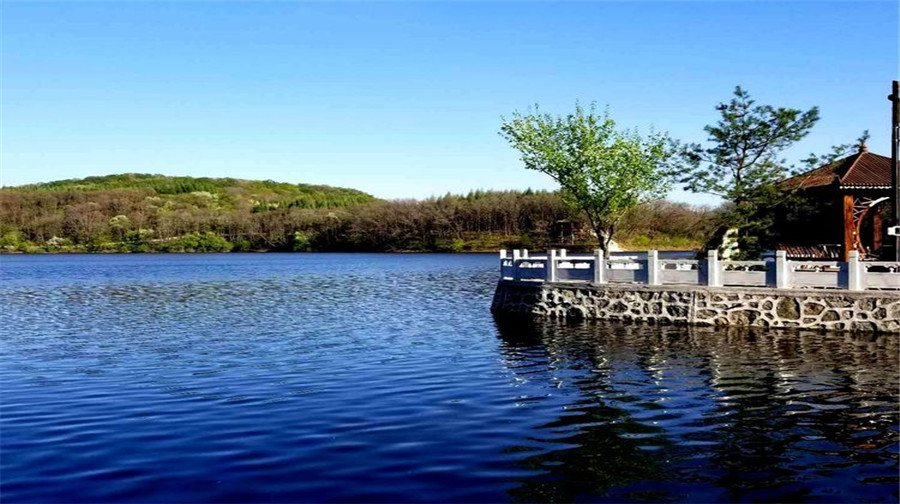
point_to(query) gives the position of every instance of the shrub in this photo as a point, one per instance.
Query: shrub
(301, 242)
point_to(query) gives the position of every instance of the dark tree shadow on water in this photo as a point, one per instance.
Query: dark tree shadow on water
(593, 455)
(764, 415)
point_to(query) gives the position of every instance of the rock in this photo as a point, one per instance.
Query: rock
(743, 317)
(866, 304)
(788, 308)
(863, 326)
(576, 313)
(619, 307)
(813, 308)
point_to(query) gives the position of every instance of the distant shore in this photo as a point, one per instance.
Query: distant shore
(407, 252)
(145, 213)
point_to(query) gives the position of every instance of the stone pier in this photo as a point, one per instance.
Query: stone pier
(833, 310)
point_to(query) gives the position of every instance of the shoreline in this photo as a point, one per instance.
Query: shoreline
(399, 252)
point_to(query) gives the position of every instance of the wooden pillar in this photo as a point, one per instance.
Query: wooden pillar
(849, 229)
(877, 229)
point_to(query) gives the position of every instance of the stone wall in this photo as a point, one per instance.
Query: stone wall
(665, 305)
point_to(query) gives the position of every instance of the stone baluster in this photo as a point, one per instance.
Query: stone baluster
(782, 270)
(855, 271)
(713, 269)
(551, 266)
(653, 267)
(599, 267)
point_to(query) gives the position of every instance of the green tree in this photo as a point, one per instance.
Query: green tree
(602, 171)
(742, 164)
(745, 144)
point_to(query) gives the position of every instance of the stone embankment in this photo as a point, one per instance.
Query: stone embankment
(706, 306)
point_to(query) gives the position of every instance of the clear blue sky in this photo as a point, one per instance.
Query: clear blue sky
(404, 99)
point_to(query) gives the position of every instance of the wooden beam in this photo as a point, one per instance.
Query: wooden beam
(849, 228)
(877, 229)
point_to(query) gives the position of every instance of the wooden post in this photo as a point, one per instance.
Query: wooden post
(782, 270)
(849, 229)
(877, 229)
(652, 267)
(599, 267)
(551, 266)
(713, 271)
(854, 272)
(895, 160)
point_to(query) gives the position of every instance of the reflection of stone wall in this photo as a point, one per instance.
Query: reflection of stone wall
(755, 307)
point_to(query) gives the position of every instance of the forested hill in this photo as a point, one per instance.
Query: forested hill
(155, 213)
(227, 190)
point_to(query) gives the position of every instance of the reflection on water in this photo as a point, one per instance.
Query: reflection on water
(705, 415)
(365, 377)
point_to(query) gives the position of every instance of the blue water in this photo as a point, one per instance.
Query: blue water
(366, 377)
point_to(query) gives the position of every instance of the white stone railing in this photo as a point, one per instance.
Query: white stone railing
(648, 269)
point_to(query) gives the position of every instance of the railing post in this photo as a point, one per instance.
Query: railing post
(782, 270)
(713, 269)
(652, 267)
(502, 253)
(855, 271)
(524, 253)
(551, 266)
(515, 264)
(562, 253)
(599, 267)
(502, 258)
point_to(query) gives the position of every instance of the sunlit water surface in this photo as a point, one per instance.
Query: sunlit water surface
(342, 378)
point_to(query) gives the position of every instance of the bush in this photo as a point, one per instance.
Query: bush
(137, 241)
(211, 242)
(301, 242)
(196, 242)
(11, 241)
(446, 245)
(242, 245)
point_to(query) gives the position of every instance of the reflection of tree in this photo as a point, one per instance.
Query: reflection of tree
(595, 456)
(794, 401)
(733, 414)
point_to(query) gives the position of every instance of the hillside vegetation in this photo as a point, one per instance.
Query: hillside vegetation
(228, 191)
(156, 213)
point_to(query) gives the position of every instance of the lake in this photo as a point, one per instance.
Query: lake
(375, 377)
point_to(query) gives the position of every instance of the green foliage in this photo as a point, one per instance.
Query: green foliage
(742, 164)
(131, 220)
(301, 242)
(137, 241)
(242, 245)
(10, 241)
(745, 144)
(837, 152)
(449, 245)
(602, 171)
(195, 242)
(267, 193)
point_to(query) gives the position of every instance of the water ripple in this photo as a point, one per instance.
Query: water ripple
(349, 378)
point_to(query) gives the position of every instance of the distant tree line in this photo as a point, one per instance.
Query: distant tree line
(111, 216)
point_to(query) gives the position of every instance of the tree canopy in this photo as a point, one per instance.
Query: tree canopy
(744, 148)
(603, 171)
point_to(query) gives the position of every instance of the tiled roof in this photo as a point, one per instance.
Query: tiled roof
(862, 170)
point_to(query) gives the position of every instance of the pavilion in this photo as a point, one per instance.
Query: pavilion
(854, 194)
